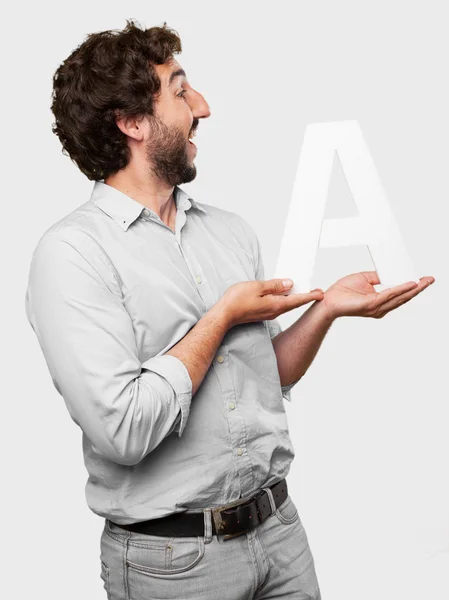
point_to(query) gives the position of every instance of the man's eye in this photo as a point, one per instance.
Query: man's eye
(181, 94)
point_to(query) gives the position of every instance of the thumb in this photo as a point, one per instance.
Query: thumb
(273, 286)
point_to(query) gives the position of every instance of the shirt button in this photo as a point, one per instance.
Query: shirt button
(240, 451)
(220, 358)
(146, 212)
(232, 405)
(198, 278)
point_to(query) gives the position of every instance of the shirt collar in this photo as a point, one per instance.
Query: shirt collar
(125, 210)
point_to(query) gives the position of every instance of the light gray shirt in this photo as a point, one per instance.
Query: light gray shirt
(111, 289)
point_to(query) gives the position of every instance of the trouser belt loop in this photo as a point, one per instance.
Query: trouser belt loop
(207, 525)
(271, 499)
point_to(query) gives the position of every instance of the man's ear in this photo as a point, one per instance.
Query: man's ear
(131, 126)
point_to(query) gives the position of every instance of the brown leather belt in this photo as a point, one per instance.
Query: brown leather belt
(229, 520)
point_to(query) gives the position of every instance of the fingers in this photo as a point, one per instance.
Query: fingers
(276, 286)
(398, 300)
(393, 292)
(371, 276)
(295, 300)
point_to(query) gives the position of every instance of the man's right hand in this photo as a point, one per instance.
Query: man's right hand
(249, 301)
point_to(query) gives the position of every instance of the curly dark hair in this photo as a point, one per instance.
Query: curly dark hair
(109, 75)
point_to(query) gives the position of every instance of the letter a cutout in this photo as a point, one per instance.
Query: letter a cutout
(306, 229)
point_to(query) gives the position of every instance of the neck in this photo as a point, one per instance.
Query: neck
(156, 196)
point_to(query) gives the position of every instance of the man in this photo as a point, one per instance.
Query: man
(160, 333)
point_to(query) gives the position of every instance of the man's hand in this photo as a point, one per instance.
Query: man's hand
(354, 295)
(248, 301)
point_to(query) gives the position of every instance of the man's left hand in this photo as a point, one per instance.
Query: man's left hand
(354, 295)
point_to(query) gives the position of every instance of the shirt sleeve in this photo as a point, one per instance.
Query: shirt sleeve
(125, 407)
(273, 326)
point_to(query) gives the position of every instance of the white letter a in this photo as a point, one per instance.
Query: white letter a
(306, 229)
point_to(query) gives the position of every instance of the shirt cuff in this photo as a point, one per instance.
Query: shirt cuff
(286, 390)
(175, 372)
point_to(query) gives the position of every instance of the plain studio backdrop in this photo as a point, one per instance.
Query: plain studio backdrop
(369, 420)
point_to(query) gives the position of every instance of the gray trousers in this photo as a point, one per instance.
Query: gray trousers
(271, 561)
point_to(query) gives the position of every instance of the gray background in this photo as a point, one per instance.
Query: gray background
(369, 419)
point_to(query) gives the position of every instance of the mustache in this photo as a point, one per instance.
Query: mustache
(195, 125)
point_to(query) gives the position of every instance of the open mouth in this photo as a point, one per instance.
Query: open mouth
(192, 135)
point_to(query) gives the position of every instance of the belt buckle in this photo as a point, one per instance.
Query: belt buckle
(220, 524)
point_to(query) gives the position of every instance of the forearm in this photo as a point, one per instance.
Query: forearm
(297, 346)
(198, 348)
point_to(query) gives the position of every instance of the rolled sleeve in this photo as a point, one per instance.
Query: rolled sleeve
(125, 407)
(286, 390)
(174, 371)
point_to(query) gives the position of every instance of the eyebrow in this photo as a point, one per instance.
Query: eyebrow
(175, 74)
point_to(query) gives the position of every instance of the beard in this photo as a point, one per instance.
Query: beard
(168, 154)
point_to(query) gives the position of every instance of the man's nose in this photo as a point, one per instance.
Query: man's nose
(200, 108)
